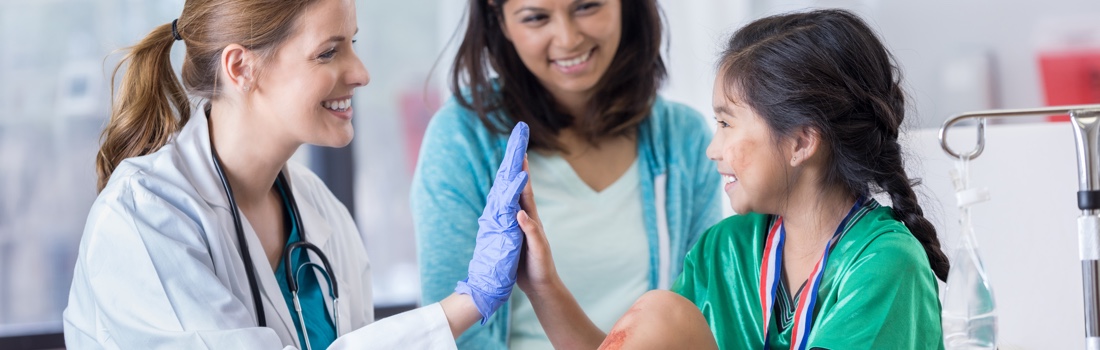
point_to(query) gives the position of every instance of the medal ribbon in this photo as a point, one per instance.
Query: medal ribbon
(770, 272)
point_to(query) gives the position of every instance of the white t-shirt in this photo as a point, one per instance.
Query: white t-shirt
(599, 244)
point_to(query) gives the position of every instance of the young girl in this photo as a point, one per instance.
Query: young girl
(624, 182)
(808, 107)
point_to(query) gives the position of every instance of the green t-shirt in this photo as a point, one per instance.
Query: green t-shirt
(878, 291)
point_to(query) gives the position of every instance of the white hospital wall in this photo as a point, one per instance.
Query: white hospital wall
(1027, 233)
(696, 31)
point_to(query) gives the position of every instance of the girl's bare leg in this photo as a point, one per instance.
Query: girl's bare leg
(661, 319)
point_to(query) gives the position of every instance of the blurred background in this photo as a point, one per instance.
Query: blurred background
(56, 57)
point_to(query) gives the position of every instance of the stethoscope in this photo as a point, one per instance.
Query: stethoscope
(291, 274)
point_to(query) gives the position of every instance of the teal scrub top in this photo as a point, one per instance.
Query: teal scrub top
(314, 309)
(878, 290)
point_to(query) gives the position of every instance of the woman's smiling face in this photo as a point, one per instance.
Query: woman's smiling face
(567, 44)
(306, 86)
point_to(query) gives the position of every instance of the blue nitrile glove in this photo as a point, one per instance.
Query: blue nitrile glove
(492, 271)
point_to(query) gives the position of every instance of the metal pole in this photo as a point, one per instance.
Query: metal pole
(1086, 127)
(997, 113)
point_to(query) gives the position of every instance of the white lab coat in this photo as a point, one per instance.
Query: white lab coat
(159, 267)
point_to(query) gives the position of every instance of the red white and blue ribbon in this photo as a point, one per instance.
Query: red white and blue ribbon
(770, 272)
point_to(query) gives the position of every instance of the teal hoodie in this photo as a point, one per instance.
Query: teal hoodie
(459, 158)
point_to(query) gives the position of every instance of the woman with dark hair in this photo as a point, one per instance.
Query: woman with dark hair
(808, 107)
(621, 171)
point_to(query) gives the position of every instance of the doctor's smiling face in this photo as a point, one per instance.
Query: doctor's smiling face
(753, 167)
(567, 44)
(305, 90)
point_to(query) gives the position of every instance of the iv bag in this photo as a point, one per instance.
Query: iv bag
(969, 309)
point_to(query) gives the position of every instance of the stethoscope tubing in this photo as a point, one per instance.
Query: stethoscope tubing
(291, 275)
(242, 245)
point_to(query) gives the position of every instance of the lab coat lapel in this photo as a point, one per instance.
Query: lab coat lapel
(317, 229)
(269, 288)
(194, 145)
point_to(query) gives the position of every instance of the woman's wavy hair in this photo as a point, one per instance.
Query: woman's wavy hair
(151, 104)
(624, 94)
(827, 70)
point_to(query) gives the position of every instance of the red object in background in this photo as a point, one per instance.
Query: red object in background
(1070, 78)
(417, 107)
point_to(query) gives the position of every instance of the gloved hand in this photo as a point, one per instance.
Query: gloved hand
(492, 271)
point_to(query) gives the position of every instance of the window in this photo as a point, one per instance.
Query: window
(53, 103)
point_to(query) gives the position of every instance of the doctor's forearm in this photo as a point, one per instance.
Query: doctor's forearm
(461, 312)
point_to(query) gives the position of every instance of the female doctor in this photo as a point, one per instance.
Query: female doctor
(204, 236)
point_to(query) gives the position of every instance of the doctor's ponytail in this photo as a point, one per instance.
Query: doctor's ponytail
(150, 96)
(143, 112)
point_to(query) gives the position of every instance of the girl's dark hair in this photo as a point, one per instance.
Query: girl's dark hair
(827, 70)
(624, 94)
(151, 103)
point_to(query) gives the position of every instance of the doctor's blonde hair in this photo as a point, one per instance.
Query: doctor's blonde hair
(151, 104)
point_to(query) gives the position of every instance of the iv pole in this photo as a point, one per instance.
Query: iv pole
(1086, 126)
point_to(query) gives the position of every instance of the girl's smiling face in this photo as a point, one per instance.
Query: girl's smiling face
(756, 172)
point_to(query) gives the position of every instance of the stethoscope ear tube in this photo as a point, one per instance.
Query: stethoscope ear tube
(242, 245)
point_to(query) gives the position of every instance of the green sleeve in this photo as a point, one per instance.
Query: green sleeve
(887, 300)
(721, 278)
(690, 284)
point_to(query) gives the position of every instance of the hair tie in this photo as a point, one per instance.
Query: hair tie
(175, 32)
